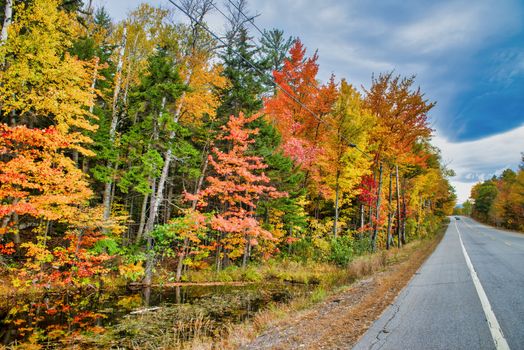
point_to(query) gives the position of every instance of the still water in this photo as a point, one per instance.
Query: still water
(135, 319)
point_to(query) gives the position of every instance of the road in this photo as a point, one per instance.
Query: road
(467, 295)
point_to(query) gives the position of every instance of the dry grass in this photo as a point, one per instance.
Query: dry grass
(336, 318)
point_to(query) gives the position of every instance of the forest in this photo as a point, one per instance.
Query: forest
(152, 141)
(152, 150)
(499, 201)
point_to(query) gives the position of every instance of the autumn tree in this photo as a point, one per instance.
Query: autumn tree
(203, 78)
(343, 162)
(234, 189)
(299, 110)
(38, 182)
(402, 119)
(499, 200)
(44, 95)
(42, 83)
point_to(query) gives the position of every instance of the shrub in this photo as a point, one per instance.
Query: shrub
(341, 250)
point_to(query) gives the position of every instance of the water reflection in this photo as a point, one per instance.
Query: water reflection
(113, 319)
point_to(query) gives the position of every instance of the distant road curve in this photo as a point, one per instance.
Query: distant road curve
(469, 294)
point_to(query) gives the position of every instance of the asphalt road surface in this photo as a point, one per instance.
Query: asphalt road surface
(469, 294)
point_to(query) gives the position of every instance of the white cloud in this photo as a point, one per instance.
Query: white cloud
(457, 25)
(479, 160)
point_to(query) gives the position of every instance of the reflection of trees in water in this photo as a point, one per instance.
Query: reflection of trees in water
(123, 317)
(53, 319)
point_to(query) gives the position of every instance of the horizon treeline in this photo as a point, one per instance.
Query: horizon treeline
(499, 201)
(145, 141)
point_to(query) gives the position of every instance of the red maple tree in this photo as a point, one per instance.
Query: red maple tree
(235, 188)
(299, 110)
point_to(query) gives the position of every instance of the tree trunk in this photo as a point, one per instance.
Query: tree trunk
(168, 157)
(218, 260)
(156, 198)
(377, 216)
(118, 83)
(404, 212)
(142, 223)
(155, 204)
(185, 247)
(114, 123)
(246, 252)
(107, 197)
(371, 206)
(419, 215)
(150, 256)
(398, 208)
(150, 262)
(16, 231)
(129, 70)
(167, 211)
(361, 217)
(335, 224)
(93, 85)
(8, 17)
(390, 214)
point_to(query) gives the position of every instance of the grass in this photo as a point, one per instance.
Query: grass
(361, 267)
(325, 280)
(274, 270)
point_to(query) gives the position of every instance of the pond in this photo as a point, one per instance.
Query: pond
(148, 318)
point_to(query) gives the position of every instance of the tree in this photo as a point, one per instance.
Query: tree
(39, 183)
(401, 121)
(202, 77)
(467, 207)
(243, 93)
(484, 194)
(7, 18)
(150, 103)
(299, 109)
(44, 94)
(341, 165)
(42, 81)
(274, 48)
(234, 190)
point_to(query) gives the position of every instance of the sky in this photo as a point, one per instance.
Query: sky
(467, 55)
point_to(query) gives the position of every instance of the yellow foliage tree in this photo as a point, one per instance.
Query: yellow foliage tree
(42, 84)
(341, 164)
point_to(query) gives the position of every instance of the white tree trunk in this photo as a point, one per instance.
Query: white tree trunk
(93, 85)
(8, 12)
(337, 190)
(114, 122)
(118, 82)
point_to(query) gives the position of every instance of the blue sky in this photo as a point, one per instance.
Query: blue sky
(467, 55)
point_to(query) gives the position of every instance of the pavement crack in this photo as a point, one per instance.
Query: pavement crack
(385, 329)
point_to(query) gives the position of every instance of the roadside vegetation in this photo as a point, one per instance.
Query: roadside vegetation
(147, 152)
(498, 201)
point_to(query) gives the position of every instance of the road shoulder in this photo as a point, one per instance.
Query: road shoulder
(340, 320)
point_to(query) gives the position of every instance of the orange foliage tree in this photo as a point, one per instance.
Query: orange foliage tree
(298, 112)
(39, 183)
(234, 189)
(402, 122)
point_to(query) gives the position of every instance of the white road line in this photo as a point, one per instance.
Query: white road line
(494, 327)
